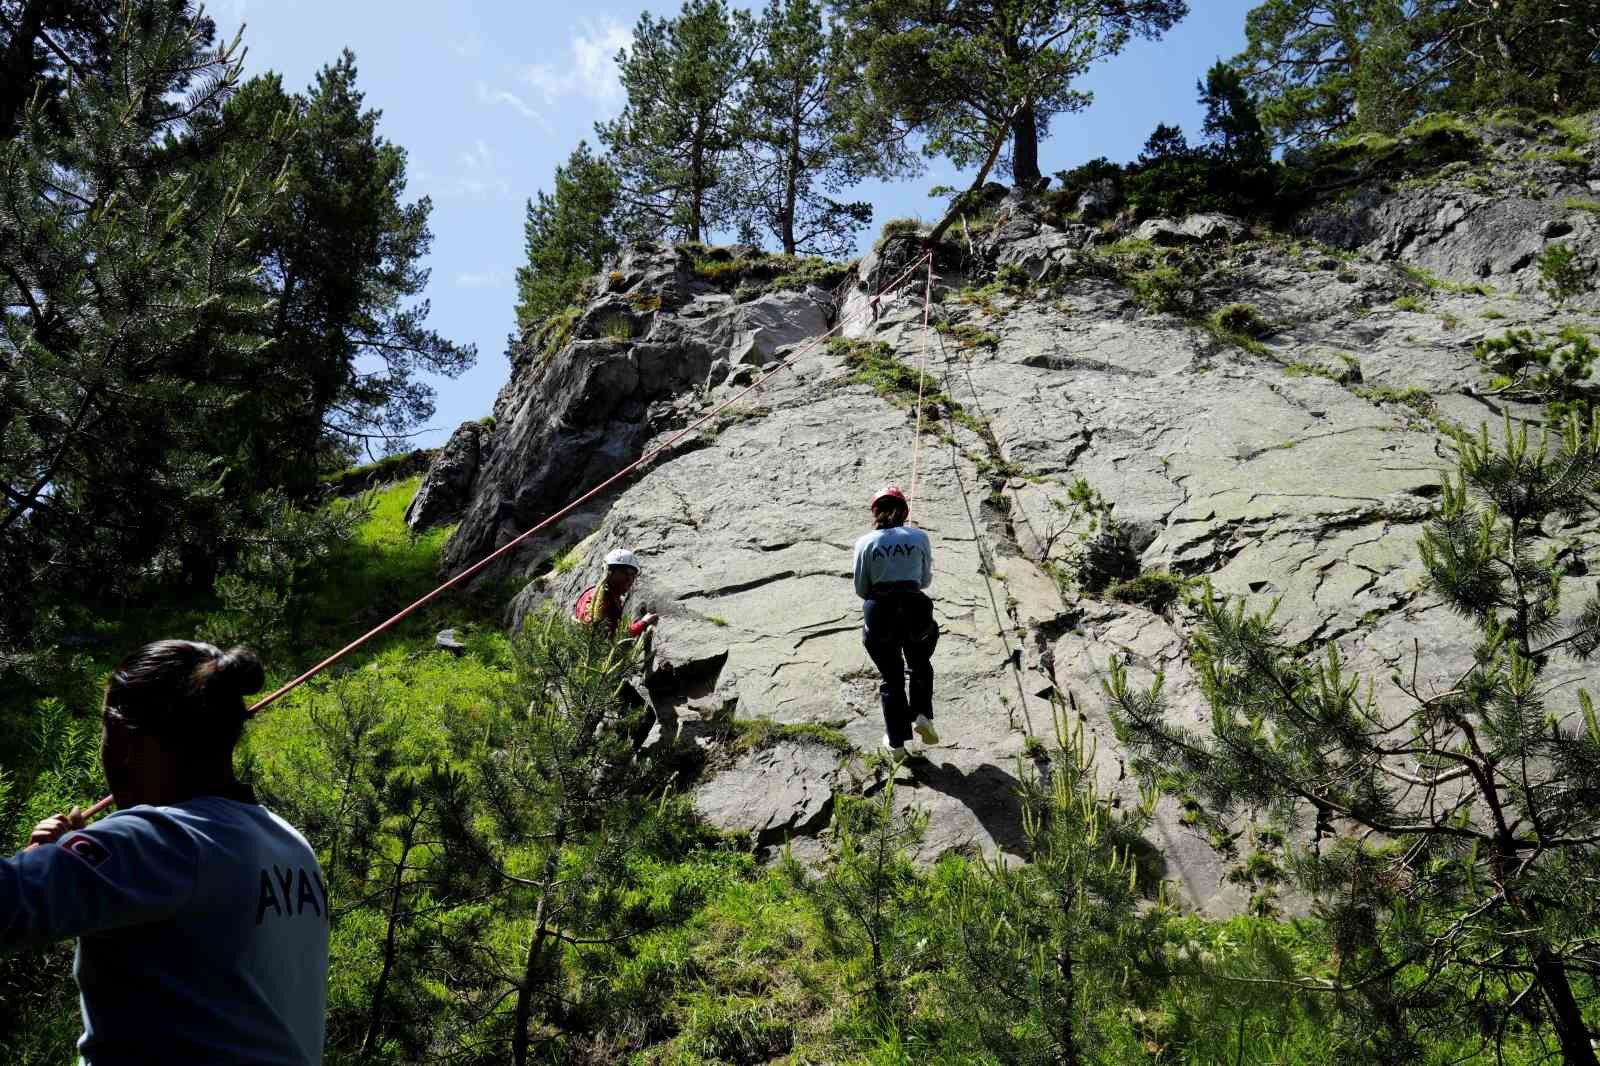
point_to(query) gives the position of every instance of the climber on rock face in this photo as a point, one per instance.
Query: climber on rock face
(603, 603)
(893, 564)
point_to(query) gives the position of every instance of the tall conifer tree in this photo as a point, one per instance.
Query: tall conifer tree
(672, 144)
(797, 150)
(958, 71)
(568, 233)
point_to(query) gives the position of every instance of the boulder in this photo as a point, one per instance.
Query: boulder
(1214, 228)
(1052, 252)
(1164, 232)
(1098, 201)
(772, 321)
(782, 791)
(446, 488)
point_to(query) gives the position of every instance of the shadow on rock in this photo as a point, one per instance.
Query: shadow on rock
(987, 791)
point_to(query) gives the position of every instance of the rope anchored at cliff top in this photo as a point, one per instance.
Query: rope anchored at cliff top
(544, 523)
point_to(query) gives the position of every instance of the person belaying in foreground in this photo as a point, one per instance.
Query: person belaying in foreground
(201, 916)
(603, 603)
(893, 564)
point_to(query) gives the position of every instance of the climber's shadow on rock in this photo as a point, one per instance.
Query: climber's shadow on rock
(987, 791)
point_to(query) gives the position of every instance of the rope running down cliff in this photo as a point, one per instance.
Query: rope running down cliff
(1013, 656)
(643, 460)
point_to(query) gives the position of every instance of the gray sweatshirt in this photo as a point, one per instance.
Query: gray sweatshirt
(901, 553)
(202, 933)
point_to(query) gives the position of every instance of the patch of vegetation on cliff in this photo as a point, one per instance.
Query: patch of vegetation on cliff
(750, 272)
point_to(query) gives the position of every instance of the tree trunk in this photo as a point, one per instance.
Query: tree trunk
(530, 970)
(697, 189)
(375, 1016)
(16, 83)
(1067, 1049)
(1576, 1050)
(791, 183)
(1024, 148)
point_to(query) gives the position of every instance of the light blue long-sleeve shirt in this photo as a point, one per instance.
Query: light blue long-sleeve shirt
(900, 553)
(202, 933)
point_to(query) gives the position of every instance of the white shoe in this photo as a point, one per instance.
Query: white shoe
(924, 727)
(897, 750)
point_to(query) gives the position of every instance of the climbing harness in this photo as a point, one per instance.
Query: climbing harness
(642, 461)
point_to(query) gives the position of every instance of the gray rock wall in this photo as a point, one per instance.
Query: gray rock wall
(1484, 221)
(1251, 467)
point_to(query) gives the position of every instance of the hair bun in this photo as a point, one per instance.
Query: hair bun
(240, 670)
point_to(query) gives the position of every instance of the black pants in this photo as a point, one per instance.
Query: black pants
(900, 635)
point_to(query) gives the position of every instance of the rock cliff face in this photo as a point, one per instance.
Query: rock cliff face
(1486, 219)
(1299, 466)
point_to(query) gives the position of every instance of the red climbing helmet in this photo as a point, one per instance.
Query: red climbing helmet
(888, 492)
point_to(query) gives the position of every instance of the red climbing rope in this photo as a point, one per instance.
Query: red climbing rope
(922, 376)
(643, 460)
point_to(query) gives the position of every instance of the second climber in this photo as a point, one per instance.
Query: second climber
(893, 564)
(603, 603)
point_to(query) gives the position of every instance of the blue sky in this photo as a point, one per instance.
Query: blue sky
(488, 96)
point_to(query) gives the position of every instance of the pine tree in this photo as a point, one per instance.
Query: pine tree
(1231, 123)
(1324, 68)
(959, 73)
(1040, 947)
(133, 322)
(798, 150)
(355, 784)
(1539, 54)
(672, 144)
(1165, 142)
(342, 253)
(869, 891)
(569, 234)
(1327, 67)
(541, 824)
(1487, 797)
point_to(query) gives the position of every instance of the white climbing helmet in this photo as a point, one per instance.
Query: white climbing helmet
(623, 557)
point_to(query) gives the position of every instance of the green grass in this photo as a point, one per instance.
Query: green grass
(1569, 157)
(1576, 204)
(1576, 131)
(969, 336)
(873, 363)
(897, 226)
(555, 332)
(754, 275)
(1154, 590)
(1241, 318)
(1347, 373)
(1409, 303)
(758, 734)
(616, 327)
(1417, 399)
(568, 560)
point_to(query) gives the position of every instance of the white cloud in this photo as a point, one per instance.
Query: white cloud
(487, 279)
(477, 176)
(480, 158)
(593, 71)
(475, 188)
(496, 97)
